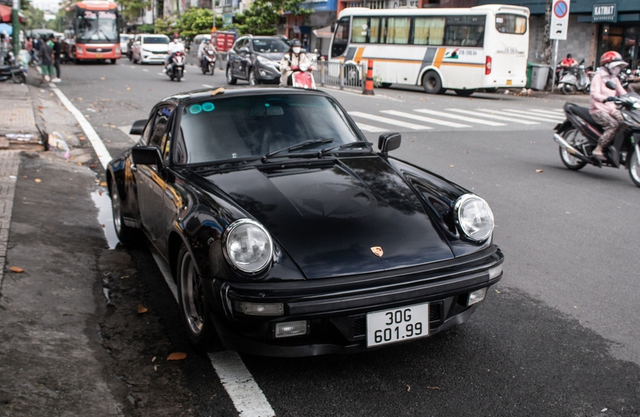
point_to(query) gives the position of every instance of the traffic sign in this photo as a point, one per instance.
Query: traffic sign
(559, 20)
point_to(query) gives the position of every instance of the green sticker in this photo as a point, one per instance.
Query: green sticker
(195, 109)
(208, 107)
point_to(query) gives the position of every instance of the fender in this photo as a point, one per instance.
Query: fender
(425, 70)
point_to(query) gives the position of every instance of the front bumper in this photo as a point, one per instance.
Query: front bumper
(265, 73)
(336, 308)
(153, 57)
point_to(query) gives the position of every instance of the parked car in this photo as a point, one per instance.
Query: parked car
(150, 49)
(286, 232)
(256, 59)
(124, 43)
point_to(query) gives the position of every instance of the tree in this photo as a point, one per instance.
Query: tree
(35, 18)
(131, 9)
(263, 16)
(194, 21)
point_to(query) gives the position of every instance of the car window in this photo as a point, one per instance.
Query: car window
(270, 45)
(156, 131)
(239, 44)
(252, 126)
(154, 40)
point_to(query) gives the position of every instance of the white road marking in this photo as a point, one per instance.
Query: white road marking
(549, 112)
(544, 117)
(235, 377)
(424, 119)
(388, 121)
(494, 117)
(520, 116)
(96, 142)
(457, 117)
(372, 129)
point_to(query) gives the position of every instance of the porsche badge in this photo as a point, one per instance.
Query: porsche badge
(377, 250)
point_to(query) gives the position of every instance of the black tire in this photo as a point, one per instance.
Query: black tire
(385, 85)
(572, 136)
(491, 90)
(464, 93)
(194, 310)
(212, 68)
(431, 83)
(230, 78)
(567, 89)
(178, 75)
(20, 78)
(128, 236)
(634, 169)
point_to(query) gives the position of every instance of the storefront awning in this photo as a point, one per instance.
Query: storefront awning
(324, 32)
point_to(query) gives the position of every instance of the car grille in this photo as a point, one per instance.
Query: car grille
(98, 50)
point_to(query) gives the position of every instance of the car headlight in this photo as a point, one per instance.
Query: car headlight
(247, 246)
(474, 217)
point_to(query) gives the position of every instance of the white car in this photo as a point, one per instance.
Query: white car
(150, 49)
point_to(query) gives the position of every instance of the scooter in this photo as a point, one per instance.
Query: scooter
(175, 70)
(208, 62)
(15, 72)
(301, 77)
(578, 137)
(575, 79)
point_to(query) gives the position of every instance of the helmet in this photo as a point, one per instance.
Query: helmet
(295, 42)
(613, 59)
(207, 41)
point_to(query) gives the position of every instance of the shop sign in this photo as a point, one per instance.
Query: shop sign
(604, 13)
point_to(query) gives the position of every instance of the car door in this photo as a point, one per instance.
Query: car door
(152, 180)
(238, 58)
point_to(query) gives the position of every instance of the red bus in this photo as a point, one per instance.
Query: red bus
(96, 31)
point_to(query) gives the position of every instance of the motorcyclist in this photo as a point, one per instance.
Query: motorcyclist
(602, 108)
(174, 46)
(292, 60)
(202, 51)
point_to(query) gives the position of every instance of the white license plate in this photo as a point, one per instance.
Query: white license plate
(397, 324)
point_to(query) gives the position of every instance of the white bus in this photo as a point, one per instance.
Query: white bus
(462, 49)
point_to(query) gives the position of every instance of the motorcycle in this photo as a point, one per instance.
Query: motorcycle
(575, 79)
(301, 77)
(12, 71)
(208, 62)
(578, 137)
(175, 70)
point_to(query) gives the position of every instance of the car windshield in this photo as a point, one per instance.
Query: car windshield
(255, 126)
(270, 45)
(156, 40)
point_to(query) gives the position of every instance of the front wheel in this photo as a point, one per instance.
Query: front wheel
(191, 296)
(567, 89)
(20, 78)
(634, 169)
(212, 68)
(575, 139)
(230, 78)
(432, 83)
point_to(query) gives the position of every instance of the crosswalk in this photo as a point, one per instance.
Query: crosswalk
(428, 119)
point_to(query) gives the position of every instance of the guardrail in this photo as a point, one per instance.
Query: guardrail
(341, 75)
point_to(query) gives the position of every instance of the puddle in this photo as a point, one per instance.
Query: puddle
(105, 217)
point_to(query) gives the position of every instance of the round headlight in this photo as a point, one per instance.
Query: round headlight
(474, 217)
(248, 246)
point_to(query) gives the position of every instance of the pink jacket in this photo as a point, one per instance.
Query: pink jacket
(600, 92)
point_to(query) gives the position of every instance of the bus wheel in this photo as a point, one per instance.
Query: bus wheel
(432, 83)
(385, 85)
(464, 93)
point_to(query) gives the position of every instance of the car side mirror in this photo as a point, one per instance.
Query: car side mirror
(138, 127)
(388, 142)
(610, 85)
(146, 155)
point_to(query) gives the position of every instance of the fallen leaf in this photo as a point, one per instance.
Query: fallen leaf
(128, 88)
(538, 170)
(142, 309)
(408, 388)
(498, 292)
(16, 269)
(102, 78)
(434, 388)
(38, 180)
(103, 184)
(124, 277)
(451, 166)
(177, 356)
(153, 359)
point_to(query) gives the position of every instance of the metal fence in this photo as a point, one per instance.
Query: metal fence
(341, 75)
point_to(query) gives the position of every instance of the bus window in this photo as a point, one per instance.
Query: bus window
(428, 31)
(511, 23)
(359, 30)
(398, 30)
(340, 37)
(465, 31)
(374, 30)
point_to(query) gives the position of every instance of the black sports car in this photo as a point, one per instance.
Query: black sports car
(289, 235)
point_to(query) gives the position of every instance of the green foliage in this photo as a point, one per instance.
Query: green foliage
(194, 21)
(35, 18)
(263, 16)
(146, 28)
(164, 26)
(131, 9)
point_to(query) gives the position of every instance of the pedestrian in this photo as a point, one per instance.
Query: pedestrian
(46, 61)
(56, 57)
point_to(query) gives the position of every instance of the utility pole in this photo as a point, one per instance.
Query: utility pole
(15, 20)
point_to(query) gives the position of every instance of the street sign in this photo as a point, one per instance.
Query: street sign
(559, 20)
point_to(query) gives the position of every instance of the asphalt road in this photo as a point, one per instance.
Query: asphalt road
(557, 337)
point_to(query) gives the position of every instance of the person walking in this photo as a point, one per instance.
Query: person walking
(56, 57)
(46, 61)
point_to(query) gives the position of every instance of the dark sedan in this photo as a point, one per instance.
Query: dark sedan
(256, 59)
(289, 235)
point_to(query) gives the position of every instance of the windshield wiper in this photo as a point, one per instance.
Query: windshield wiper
(297, 146)
(345, 146)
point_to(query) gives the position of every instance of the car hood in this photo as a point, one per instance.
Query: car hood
(332, 216)
(156, 47)
(273, 56)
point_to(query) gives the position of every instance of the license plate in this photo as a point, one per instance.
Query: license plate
(98, 55)
(509, 82)
(397, 324)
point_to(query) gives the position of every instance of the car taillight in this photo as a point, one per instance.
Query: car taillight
(487, 65)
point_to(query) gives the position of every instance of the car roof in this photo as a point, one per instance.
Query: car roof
(220, 92)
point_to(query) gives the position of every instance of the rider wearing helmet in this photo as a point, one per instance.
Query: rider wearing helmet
(205, 45)
(602, 108)
(292, 60)
(175, 46)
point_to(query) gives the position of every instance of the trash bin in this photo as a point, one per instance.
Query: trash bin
(529, 69)
(539, 75)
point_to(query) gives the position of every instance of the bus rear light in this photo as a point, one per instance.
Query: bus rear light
(487, 65)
